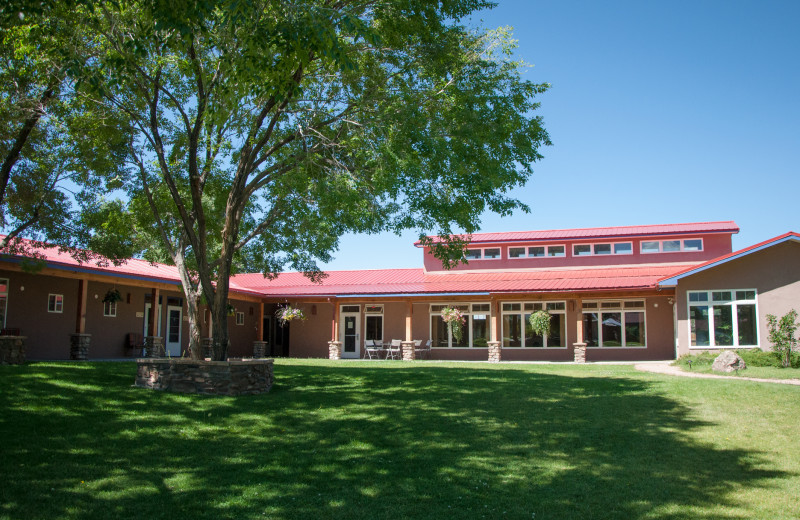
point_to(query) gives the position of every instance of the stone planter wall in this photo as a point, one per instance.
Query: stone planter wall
(334, 350)
(189, 376)
(12, 350)
(495, 353)
(259, 349)
(580, 352)
(408, 350)
(153, 346)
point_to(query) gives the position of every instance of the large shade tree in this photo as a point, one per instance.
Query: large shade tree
(263, 130)
(59, 150)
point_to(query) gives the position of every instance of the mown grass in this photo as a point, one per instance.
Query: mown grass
(396, 440)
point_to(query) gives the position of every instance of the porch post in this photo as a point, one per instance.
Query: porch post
(407, 346)
(579, 347)
(495, 352)
(79, 341)
(153, 343)
(259, 345)
(334, 345)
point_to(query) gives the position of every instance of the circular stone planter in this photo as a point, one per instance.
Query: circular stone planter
(191, 376)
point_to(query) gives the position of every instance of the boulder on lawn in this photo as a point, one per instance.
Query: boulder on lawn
(728, 361)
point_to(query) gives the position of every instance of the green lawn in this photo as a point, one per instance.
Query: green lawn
(757, 372)
(399, 440)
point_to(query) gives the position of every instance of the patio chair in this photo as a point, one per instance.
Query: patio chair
(418, 349)
(134, 344)
(372, 351)
(393, 350)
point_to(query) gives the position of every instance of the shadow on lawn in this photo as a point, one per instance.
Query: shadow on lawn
(358, 442)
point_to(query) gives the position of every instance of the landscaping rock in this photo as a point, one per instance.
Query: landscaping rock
(728, 361)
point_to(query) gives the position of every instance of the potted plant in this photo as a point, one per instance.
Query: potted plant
(288, 313)
(540, 323)
(112, 296)
(455, 322)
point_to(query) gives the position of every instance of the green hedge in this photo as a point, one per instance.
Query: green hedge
(754, 357)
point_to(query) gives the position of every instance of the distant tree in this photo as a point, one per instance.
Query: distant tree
(266, 129)
(58, 150)
(783, 335)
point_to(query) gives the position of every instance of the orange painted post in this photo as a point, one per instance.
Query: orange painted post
(83, 295)
(154, 305)
(260, 322)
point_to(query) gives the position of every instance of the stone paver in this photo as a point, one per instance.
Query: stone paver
(666, 368)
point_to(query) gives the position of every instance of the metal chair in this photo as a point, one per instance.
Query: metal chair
(371, 351)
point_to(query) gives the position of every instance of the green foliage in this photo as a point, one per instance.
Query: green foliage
(783, 335)
(753, 357)
(540, 323)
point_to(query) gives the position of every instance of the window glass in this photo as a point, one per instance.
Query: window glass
(723, 325)
(55, 303)
(745, 295)
(602, 249)
(670, 246)
(589, 305)
(698, 297)
(351, 308)
(556, 306)
(693, 245)
(555, 251)
(240, 318)
(721, 296)
(590, 333)
(374, 327)
(531, 339)
(610, 305)
(612, 329)
(698, 319)
(481, 307)
(110, 309)
(491, 253)
(558, 324)
(439, 332)
(473, 254)
(624, 248)
(581, 250)
(535, 251)
(512, 331)
(634, 329)
(481, 332)
(511, 306)
(516, 252)
(746, 321)
(634, 305)
(650, 247)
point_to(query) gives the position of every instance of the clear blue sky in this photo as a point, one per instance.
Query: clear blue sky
(659, 112)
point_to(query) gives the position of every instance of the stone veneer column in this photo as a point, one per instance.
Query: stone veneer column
(154, 347)
(79, 346)
(12, 350)
(259, 349)
(579, 350)
(408, 350)
(494, 351)
(334, 350)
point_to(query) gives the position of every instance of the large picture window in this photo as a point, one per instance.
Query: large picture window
(373, 328)
(614, 324)
(517, 331)
(725, 318)
(477, 327)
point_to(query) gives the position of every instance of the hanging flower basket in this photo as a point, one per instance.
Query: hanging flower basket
(540, 323)
(112, 296)
(289, 313)
(455, 322)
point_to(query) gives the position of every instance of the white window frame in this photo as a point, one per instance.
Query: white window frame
(239, 318)
(57, 306)
(527, 252)
(734, 302)
(110, 309)
(372, 309)
(468, 312)
(599, 309)
(682, 248)
(535, 306)
(593, 249)
(483, 253)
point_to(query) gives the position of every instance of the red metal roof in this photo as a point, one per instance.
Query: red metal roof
(605, 232)
(418, 282)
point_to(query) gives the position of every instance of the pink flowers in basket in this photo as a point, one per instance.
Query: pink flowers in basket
(455, 321)
(289, 313)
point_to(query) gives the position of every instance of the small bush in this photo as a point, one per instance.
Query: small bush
(753, 357)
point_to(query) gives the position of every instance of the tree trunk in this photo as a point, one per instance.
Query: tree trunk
(193, 312)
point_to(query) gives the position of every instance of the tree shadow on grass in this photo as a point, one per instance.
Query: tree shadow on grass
(356, 441)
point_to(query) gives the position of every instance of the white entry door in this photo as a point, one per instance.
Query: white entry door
(349, 334)
(173, 339)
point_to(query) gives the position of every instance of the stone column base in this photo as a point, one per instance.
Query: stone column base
(79, 346)
(579, 350)
(153, 347)
(408, 350)
(495, 352)
(12, 350)
(259, 349)
(334, 350)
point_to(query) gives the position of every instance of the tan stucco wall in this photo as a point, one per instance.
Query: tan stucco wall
(773, 272)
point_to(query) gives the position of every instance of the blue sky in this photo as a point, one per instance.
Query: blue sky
(659, 112)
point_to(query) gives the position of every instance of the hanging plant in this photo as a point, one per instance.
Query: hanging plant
(289, 313)
(231, 309)
(455, 322)
(112, 296)
(540, 323)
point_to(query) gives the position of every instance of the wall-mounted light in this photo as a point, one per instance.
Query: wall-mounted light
(95, 296)
(22, 288)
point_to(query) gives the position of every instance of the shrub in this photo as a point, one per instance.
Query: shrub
(783, 335)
